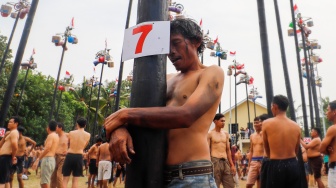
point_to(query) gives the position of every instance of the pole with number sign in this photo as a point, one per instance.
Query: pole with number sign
(148, 90)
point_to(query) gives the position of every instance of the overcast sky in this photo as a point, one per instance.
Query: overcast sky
(234, 22)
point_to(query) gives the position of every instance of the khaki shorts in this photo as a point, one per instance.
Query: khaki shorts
(104, 170)
(47, 168)
(254, 172)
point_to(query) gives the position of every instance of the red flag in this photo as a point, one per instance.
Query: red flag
(72, 23)
(232, 53)
(201, 22)
(216, 40)
(251, 80)
(67, 74)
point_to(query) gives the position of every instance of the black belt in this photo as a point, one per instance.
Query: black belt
(188, 172)
(332, 164)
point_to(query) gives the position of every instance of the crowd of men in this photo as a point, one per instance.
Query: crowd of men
(61, 155)
(195, 156)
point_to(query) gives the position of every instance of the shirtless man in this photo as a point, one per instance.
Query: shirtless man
(30, 153)
(92, 160)
(57, 176)
(256, 156)
(47, 156)
(328, 145)
(85, 161)
(193, 96)
(281, 138)
(104, 165)
(8, 149)
(73, 163)
(224, 169)
(314, 156)
(38, 152)
(305, 161)
(20, 155)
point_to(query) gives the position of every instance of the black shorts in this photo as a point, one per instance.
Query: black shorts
(121, 170)
(73, 163)
(5, 166)
(28, 162)
(18, 167)
(93, 169)
(280, 173)
(315, 164)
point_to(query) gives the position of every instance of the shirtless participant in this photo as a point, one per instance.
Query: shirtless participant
(73, 163)
(220, 153)
(315, 160)
(57, 176)
(92, 160)
(47, 156)
(281, 142)
(85, 161)
(20, 155)
(30, 153)
(8, 149)
(38, 152)
(104, 165)
(257, 155)
(192, 99)
(328, 145)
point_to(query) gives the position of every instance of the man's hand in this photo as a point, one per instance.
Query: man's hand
(34, 167)
(233, 170)
(14, 160)
(120, 139)
(112, 122)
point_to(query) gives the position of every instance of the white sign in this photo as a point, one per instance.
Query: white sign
(306, 139)
(147, 38)
(2, 132)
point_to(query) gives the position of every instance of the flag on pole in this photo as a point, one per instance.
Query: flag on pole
(232, 53)
(116, 81)
(105, 43)
(67, 75)
(33, 51)
(72, 23)
(201, 22)
(216, 40)
(296, 9)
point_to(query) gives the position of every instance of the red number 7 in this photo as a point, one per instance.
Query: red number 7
(144, 30)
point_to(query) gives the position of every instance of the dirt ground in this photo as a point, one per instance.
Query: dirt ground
(34, 182)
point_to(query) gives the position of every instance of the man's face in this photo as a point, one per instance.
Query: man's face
(58, 129)
(257, 125)
(12, 124)
(313, 133)
(182, 52)
(220, 123)
(330, 114)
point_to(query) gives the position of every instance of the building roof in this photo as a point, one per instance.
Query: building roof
(241, 102)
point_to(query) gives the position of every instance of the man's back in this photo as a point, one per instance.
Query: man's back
(78, 141)
(104, 153)
(282, 137)
(192, 140)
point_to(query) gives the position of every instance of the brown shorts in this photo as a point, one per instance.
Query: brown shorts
(316, 165)
(222, 172)
(254, 172)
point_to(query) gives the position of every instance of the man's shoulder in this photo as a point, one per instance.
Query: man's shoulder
(213, 69)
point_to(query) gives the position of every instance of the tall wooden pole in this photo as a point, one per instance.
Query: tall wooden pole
(148, 90)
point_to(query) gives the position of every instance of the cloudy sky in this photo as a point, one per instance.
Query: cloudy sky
(234, 22)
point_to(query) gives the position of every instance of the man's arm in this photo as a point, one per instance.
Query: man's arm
(3, 139)
(14, 142)
(228, 152)
(251, 151)
(311, 144)
(331, 132)
(47, 148)
(32, 142)
(98, 154)
(266, 145)
(202, 99)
